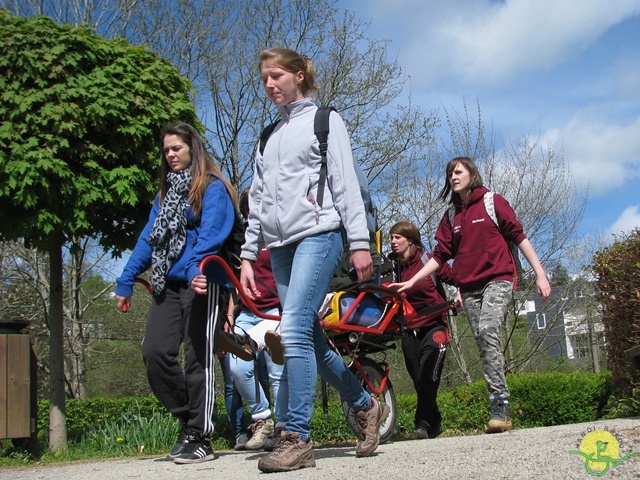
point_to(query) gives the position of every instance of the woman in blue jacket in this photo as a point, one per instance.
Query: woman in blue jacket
(191, 217)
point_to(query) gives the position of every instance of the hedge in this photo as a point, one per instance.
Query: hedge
(537, 400)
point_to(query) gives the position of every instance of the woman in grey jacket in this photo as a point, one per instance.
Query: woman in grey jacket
(305, 242)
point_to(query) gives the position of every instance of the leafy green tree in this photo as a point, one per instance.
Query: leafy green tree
(617, 268)
(79, 124)
(216, 45)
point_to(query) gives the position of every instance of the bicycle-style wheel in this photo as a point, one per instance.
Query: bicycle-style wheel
(375, 373)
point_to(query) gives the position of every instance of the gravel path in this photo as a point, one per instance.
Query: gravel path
(535, 453)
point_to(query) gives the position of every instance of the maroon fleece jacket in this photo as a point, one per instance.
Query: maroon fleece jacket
(266, 285)
(424, 293)
(478, 247)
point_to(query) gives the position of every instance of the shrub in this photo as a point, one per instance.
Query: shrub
(406, 406)
(557, 398)
(85, 415)
(464, 409)
(624, 406)
(618, 271)
(537, 400)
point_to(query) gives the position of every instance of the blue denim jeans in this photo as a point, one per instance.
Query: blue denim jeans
(232, 398)
(303, 271)
(244, 375)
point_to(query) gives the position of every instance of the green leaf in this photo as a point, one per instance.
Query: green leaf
(79, 124)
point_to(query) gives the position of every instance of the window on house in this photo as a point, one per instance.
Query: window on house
(581, 346)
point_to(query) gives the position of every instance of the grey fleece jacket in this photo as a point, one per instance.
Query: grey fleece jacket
(282, 200)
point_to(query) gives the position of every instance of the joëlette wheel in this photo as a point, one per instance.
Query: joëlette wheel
(375, 373)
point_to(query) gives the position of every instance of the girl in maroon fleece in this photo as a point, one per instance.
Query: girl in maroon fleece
(424, 348)
(484, 271)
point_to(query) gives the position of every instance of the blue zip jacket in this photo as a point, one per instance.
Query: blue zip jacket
(205, 236)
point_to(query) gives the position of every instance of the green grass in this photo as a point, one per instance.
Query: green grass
(134, 434)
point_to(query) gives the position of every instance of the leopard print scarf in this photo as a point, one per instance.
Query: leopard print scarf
(169, 234)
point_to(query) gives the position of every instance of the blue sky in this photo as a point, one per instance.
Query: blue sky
(567, 70)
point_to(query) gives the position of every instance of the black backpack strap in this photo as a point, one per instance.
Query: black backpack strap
(321, 130)
(266, 133)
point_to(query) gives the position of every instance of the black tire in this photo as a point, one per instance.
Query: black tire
(375, 373)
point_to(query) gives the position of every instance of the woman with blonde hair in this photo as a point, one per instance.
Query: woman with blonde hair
(304, 237)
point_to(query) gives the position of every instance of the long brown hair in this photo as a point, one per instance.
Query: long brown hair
(475, 178)
(409, 231)
(202, 166)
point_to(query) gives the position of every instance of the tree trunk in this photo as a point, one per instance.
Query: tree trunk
(593, 341)
(76, 340)
(57, 412)
(456, 350)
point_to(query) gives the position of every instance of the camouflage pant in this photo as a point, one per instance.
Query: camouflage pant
(486, 310)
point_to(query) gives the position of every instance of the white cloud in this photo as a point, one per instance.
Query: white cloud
(604, 155)
(488, 42)
(628, 220)
(569, 69)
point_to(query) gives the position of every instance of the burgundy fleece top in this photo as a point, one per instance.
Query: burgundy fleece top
(424, 293)
(266, 285)
(478, 247)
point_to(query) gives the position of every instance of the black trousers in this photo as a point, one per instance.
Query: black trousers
(181, 316)
(424, 353)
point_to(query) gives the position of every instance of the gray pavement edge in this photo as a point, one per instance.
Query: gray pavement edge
(538, 453)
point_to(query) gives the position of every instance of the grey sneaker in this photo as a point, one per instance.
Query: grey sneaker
(270, 442)
(274, 346)
(500, 417)
(423, 433)
(420, 433)
(369, 422)
(261, 430)
(197, 449)
(290, 453)
(180, 443)
(241, 441)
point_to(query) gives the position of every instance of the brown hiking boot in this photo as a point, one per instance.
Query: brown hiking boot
(500, 417)
(369, 422)
(290, 453)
